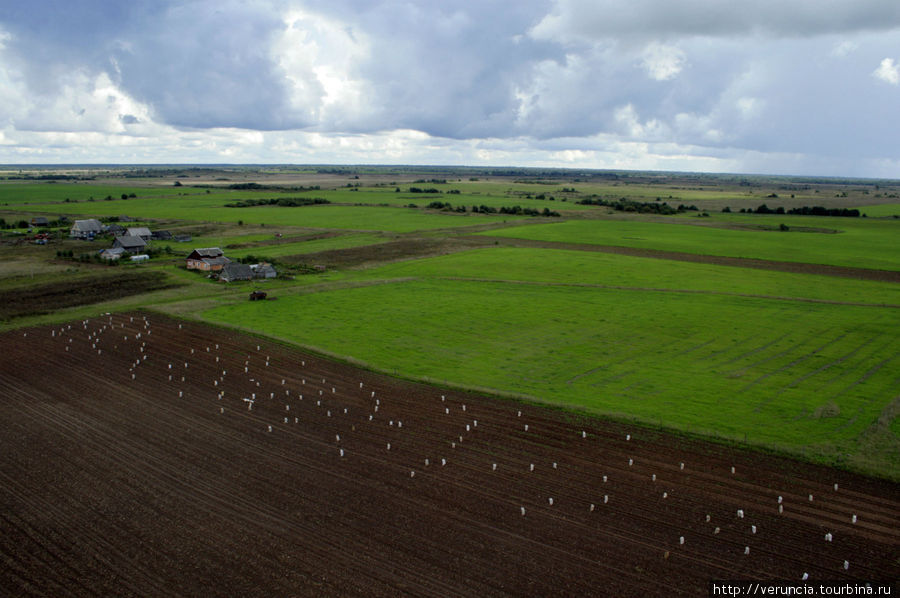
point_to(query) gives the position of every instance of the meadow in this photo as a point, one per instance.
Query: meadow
(855, 242)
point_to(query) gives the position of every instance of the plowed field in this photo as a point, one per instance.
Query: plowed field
(143, 456)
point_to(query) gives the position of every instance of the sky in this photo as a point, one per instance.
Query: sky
(806, 87)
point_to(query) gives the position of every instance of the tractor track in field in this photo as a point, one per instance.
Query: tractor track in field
(146, 456)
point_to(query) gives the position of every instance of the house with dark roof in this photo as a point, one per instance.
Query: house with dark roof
(161, 235)
(235, 271)
(40, 221)
(130, 244)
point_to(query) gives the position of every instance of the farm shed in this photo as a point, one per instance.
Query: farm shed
(86, 229)
(161, 235)
(130, 244)
(206, 258)
(235, 271)
(40, 221)
(140, 258)
(115, 229)
(183, 238)
(263, 270)
(140, 231)
(124, 218)
(113, 253)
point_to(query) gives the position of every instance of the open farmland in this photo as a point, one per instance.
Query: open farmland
(810, 370)
(851, 242)
(167, 458)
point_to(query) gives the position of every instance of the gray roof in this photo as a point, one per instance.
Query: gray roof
(236, 271)
(129, 242)
(86, 226)
(207, 252)
(139, 231)
(216, 261)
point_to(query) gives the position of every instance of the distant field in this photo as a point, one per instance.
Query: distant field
(800, 375)
(41, 193)
(862, 243)
(553, 266)
(209, 209)
(882, 210)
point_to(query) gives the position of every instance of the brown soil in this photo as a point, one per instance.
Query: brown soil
(118, 478)
(50, 297)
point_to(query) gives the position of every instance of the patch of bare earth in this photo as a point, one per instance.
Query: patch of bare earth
(142, 456)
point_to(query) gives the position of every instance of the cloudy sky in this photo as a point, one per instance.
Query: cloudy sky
(765, 86)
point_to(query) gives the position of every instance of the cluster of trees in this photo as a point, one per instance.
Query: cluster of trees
(802, 211)
(7, 225)
(482, 209)
(641, 207)
(284, 202)
(420, 190)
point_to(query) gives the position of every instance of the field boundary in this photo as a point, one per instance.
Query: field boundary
(719, 260)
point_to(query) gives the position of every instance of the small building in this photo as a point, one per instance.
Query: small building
(130, 244)
(86, 229)
(235, 271)
(207, 258)
(113, 253)
(183, 238)
(140, 231)
(115, 230)
(40, 221)
(124, 218)
(140, 258)
(263, 270)
(161, 235)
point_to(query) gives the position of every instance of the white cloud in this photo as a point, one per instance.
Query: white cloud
(888, 71)
(662, 62)
(319, 56)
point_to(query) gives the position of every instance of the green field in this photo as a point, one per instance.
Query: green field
(203, 208)
(857, 242)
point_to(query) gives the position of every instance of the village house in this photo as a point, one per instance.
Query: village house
(130, 244)
(140, 231)
(113, 253)
(210, 259)
(263, 270)
(161, 235)
(40, 221)
(86, 229)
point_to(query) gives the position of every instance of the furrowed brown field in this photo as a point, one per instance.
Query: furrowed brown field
(143, 456)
